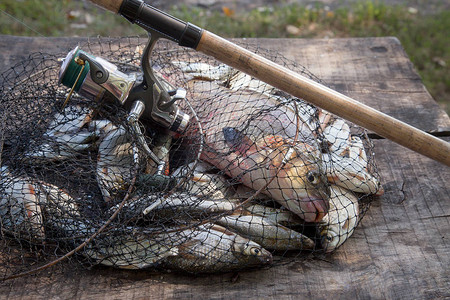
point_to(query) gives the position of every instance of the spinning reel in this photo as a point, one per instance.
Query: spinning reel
(148, 96)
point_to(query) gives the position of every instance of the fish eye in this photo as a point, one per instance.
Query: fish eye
(313, 177)
(255, 251)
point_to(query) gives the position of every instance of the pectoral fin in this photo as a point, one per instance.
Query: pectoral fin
(237, 141)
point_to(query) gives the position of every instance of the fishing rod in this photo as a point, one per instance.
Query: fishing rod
(189, 35)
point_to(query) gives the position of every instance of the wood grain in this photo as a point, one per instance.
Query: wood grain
(401, 250)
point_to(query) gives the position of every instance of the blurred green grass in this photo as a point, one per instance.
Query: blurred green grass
(424, 37)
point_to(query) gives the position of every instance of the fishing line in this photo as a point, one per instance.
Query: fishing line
(21, 22)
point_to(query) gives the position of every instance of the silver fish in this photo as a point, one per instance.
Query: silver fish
(337, 136)
(60, 209)
(20, 210)
(204, 71)
(279, 216)
(351, 174)
(212, 248)
(64, 137)
(206, 248)
(340, 222)
(117, 157)
(131, 249)
(100, 128)
(175, 205)
(346, 162)
(265, 232)
(27, 206)
(203, 184)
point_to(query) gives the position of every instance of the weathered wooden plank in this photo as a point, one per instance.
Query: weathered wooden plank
(400, 251)
(409, 230)
(15, 49)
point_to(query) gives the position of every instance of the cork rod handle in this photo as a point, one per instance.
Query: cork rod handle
(111, 5)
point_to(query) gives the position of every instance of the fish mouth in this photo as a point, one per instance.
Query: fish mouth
(314, 209)
(267, 258)
(329, 240)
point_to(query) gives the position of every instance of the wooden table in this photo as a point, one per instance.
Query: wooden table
(400, 251)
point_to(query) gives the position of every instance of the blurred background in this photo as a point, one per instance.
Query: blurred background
(422, 26)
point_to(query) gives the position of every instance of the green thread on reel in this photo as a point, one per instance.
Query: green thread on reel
(73, 69)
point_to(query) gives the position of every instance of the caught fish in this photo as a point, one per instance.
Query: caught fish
(337, 136)
(352, 174)
(100, 128)
(117, 157)
(253, 148)
(64, 138)
(206, 249)
(60, 210)
(279, 216)
(212, 248)
(20, 210)
(131, 249)
(265, 232)
(204, 71)
(175, 206)
(203, 183)
(346, 161)
(28, 206)
(340, 222)
(243, 192)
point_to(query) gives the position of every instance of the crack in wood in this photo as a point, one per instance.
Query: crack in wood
(402, 190)
(434, 217)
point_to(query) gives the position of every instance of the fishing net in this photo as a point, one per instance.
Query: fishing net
(258, 177)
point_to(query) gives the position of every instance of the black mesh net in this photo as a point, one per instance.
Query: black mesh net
(259, 177)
